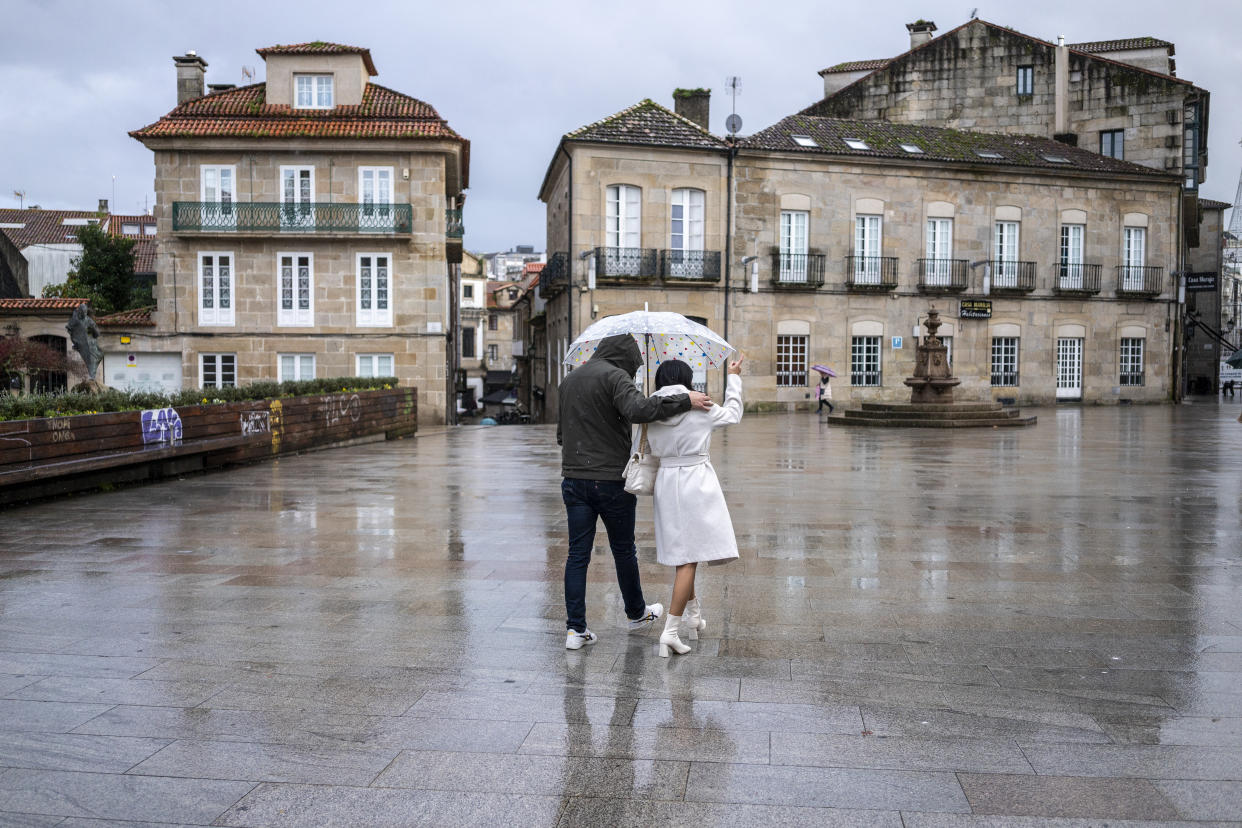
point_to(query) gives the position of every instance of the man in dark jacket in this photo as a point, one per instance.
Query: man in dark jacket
(598, 404)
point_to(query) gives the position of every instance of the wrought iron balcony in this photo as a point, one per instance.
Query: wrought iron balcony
(798, 270)
(1012, 277)
(1135, 280)
(691, 265)
(626, 262)
(454, 228)
(943, 275)
(273, 217)
(554, 277)
(877, 273)
(1076, 279)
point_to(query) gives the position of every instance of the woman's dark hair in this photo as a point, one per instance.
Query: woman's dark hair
(674, 372)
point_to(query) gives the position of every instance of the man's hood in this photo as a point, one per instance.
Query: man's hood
(620, 350)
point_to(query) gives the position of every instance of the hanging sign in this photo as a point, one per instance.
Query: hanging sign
(1200, 281)
(975, 309)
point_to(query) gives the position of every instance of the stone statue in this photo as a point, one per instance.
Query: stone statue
(84, 334)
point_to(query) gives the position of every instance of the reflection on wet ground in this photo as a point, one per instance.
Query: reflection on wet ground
(925, 628)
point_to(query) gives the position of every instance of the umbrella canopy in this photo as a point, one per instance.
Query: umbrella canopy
(661, 336)
(824, 369)
(1235, 361)
(504, 396)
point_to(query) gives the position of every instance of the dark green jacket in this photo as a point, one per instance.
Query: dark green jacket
(598, 402)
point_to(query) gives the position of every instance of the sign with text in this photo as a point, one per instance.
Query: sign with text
(975, 309)
(1200, 281)
(896, 343)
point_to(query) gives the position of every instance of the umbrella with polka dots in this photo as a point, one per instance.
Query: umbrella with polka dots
(661, 336)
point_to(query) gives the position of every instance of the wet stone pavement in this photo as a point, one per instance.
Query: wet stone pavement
(926, 628)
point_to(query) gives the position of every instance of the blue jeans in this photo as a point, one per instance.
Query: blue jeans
(585, 502)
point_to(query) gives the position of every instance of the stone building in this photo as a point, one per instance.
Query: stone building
(824, 240)
(309, 226)
(1212, 326)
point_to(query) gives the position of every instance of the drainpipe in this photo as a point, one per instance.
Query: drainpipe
(1179, 297)
(570, 259)
(728, 251)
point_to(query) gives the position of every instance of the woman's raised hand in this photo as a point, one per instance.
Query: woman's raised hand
(735, 367)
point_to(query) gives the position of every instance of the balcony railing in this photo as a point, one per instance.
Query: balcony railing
(1073, 278)
(272, 217)
(942, 275)
(798, 270)
(1012, 277)
(626, 262)
(1135, 280)
(871, 272)
(692, 265)
(554, 277)
(453, 226)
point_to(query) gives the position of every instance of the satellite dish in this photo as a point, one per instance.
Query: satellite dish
(734, 124)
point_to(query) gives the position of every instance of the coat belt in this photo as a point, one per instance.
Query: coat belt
(682, 460)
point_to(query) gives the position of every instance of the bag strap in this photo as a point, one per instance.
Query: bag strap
(643, 447)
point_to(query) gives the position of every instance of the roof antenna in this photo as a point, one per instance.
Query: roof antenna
(247, 73)
(733, 123)
(974, 13)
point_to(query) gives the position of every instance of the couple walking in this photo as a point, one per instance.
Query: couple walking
(599, 405)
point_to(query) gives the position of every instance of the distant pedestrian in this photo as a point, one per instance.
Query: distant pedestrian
(598, 404)
(692, 522)
(824, 392)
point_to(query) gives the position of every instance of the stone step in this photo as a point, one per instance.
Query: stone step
(906, 406)
(885, 422)
(994, 413)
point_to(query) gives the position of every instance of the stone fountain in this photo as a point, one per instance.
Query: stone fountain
(931, 396)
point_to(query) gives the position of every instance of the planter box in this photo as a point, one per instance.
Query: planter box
(58, 454)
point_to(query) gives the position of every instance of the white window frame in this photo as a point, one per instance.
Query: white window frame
(298, 212)
(493, 352)
(686, 219)
(1006, 237)
(1027, 73)
(866, 362)
(1073, 237)
(206, 171)
(373, 364)
(1005, 351)
(938, 270)
(317, 82)
(791, 360)
(868, 244)
(217, 370)
(375, 214)
(473, 339)
(295, 316)
(1133, 256)
(215, 315)
(373, 316)
(1132, 361)
(795, 241)
(300, 364)
(623, 216)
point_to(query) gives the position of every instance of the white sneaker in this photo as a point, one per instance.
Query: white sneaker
(575, 640)
(653, 613)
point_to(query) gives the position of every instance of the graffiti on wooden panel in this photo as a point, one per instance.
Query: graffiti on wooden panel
(161, 425)
(255, 422)
(277, 424)
(60, 429)
(340, 407)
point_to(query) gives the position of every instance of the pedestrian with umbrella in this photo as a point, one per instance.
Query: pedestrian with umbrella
(598, 403)
(824, 391)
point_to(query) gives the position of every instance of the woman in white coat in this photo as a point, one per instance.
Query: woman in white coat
(692, 522)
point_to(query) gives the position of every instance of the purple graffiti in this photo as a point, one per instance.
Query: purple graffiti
(161, 425)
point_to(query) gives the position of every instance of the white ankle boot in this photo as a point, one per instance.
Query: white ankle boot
(669, 639)
(693, 622)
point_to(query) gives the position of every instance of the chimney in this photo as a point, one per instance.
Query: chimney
(103, 205)
(694, 105)
(920, 32)
(1060, 114)
(191, 71)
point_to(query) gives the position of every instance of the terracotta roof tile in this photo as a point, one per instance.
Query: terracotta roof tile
(884, 140)
(320, 47)
(1213, 204)
(855, 66)
(649, 124)
(138, 317)
(117, 224)
(144, 256)
(534, 267)
(41, 226)
(244, 113)
(39, 304)
(1122, 45)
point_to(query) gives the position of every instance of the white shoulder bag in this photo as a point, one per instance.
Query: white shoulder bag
(640, 472)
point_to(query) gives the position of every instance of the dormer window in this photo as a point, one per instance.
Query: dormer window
(313, 91)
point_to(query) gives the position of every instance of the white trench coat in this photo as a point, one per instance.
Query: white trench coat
(692, 522)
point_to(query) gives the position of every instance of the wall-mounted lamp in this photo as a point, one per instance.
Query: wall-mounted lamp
(589, 255)
(753, 261)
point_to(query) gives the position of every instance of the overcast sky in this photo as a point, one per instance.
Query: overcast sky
(512, 77)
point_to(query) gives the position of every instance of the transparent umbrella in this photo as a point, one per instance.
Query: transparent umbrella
(661, 336)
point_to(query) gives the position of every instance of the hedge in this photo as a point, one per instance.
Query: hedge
(32, 406)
